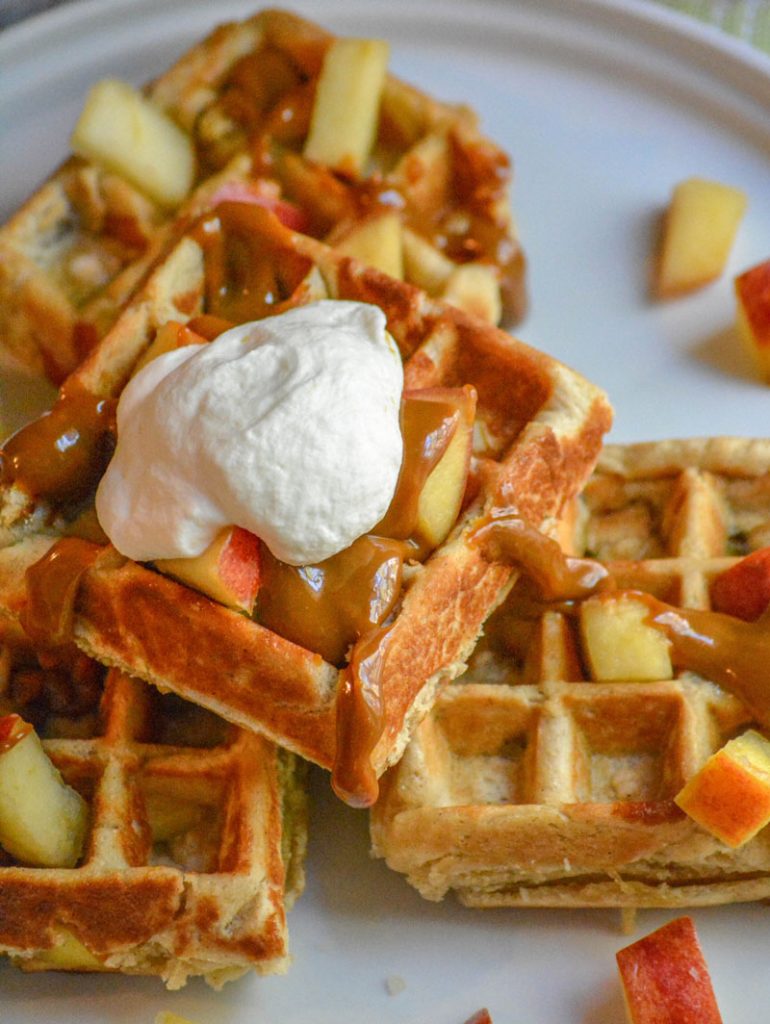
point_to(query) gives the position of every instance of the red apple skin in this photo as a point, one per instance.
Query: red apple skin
(240, 565)
(289, 214)
(480, 1017)
(743, 590)
(665, 978)
(229, 570)
(12, 729)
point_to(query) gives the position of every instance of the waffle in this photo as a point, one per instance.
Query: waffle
(530, 785)
(538, 430)
(80, 246)
(196, 836)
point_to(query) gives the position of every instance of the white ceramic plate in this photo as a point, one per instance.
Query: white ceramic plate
(604, 106)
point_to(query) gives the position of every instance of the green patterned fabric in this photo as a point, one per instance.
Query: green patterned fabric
(746, 19)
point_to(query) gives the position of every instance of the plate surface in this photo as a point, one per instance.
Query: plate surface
(604, 106)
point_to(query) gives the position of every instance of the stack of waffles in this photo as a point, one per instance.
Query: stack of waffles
(88, 257)
(531, 783)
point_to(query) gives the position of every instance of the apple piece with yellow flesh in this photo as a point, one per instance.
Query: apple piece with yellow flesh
(377, 242)
(743, 590)
(43, 821)
(701, 223)
(169, 336)
(618, 642)
(475, 287)
(665, 978)
(437, 425)
(752, 294)
(343, 123)
(730, 795)
(228, 571)
(125, 132)
(67, 954)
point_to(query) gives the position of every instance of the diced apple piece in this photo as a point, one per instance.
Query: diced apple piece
(752, 293)
(68, 954)
(169, 336)
(619, 644)
(424, 264)
(377, 242)
(43, 821)
(228, 570)
(475, 288)
(730, 795)
(437, 424)
(665, 978)
(123, 131)
(480, 1017)
(701, 223)
(167, 1017)
(343, 124)
(744, 589)
(168, 816)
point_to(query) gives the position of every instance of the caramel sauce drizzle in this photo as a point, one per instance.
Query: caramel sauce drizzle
(724, 649)
(329, 606)
(62, 454)
(52, 586)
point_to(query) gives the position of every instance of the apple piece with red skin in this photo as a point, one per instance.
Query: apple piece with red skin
(437, 424)
(743, 590)
(229, 570)
(752, 294)
(480, 1017)
(730, 795)
(259, 194)
(665, 978)
(43, 820)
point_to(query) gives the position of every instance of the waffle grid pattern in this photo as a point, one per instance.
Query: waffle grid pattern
(187, 868)
(530, 784)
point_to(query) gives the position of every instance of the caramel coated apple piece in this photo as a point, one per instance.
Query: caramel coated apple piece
(619, 643)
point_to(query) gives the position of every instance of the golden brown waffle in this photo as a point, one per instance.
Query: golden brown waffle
(528, 784)
(539, 428)
(75, 252)
(196, 837)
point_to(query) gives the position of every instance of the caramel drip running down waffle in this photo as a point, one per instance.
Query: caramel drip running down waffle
(196, 837)
(81, 245)
(529, 784)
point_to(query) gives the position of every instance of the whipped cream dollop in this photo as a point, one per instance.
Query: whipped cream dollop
(288, 427)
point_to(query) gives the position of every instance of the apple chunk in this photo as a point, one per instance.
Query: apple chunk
(437, 425)
(228, 571)
(343, 123)
(665, 978)
(43, 821)
(375, 241)
(730, 795)
(169, 336)
(619, 643)
(743, 590)
(752, 294)
(123, 131)
(701, 223)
